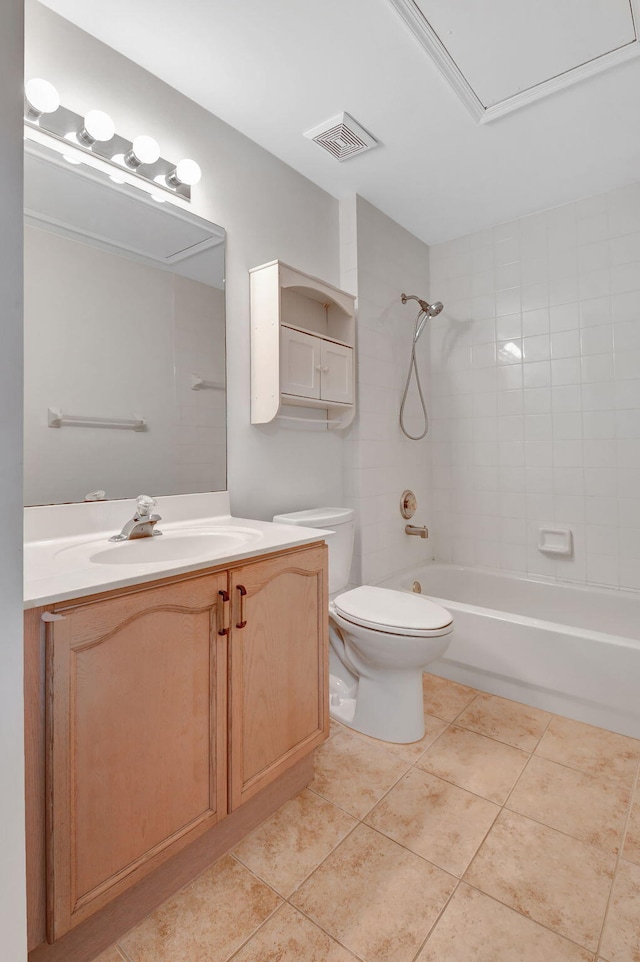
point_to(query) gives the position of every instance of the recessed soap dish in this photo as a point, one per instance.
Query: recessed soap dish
(556, 541)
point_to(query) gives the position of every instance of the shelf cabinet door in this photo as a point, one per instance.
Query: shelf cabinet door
(337, 372)
(279, 667)
(137, 732)
(300, 363)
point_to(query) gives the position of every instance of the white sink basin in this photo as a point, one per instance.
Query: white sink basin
(180, 545)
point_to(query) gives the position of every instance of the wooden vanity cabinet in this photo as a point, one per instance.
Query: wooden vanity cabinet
(167, 708)
(137, 732)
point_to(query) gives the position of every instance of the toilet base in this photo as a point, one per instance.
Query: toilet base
(391, 711)
(342, 704)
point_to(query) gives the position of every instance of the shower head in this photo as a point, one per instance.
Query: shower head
(431, 310)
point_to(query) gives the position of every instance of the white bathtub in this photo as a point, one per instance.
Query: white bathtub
(569, 649)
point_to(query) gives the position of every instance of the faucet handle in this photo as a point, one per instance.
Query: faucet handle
(144, 506)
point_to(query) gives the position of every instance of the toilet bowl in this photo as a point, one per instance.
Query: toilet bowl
(381, 641)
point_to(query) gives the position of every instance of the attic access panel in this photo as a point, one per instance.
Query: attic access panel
(500, 55)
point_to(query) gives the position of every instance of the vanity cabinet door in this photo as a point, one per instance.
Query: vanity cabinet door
(278, 667)
(137, 734)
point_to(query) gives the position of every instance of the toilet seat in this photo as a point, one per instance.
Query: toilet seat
(393, 612)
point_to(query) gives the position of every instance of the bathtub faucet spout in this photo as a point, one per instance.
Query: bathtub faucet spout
(420, 530)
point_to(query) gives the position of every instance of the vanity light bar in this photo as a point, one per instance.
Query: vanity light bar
(138, 161)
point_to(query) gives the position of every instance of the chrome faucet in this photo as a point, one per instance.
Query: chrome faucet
(418, 529)
(143, 523)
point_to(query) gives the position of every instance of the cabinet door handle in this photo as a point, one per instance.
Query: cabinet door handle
(325, 369)
(243, 592)
(223, 613)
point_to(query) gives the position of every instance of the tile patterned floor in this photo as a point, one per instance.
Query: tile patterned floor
(507, 834)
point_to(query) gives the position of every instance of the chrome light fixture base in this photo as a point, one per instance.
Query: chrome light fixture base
(66, 126)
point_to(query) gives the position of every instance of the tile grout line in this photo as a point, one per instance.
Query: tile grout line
(529, 918)
(319, 925)
(309, 874)
(491, 738)
(438, 917)
(531, 755)
(636, 783)
(256, 930)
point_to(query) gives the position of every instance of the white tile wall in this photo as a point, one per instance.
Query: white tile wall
(535, 391)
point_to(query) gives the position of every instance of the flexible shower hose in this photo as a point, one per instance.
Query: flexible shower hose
(414, 367)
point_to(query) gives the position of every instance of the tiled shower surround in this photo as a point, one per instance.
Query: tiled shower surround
(535, 392)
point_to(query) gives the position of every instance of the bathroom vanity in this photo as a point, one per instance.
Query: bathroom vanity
(169, 711)
(175, 686)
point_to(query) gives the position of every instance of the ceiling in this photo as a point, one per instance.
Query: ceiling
(274, 70)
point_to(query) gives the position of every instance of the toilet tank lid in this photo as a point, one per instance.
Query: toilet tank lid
(316, 517)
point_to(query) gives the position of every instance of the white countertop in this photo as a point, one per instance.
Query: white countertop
(67, 553)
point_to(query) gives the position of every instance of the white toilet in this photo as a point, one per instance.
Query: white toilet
(381, 641)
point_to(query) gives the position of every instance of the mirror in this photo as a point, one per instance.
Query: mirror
(124, 339)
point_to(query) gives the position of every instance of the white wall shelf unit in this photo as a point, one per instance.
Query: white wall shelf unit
(302, 345)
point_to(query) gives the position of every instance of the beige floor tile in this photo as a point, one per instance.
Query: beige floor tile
(480, 764)
(590, 749)
(621, 937)
(290, 937)
(354, 774)
(589, 807)
(207, 921)
(509, 721)
(375, 897)
(289, 845)
(445, 698)
(435, 819)
(476, 928)
(433, 728)
(631, 850)
(554, 879)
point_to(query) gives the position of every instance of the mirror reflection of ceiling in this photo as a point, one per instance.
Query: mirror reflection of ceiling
(124, 314)
(264, 68)
(84, 204)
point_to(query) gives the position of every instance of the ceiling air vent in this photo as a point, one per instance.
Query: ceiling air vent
(342, 136)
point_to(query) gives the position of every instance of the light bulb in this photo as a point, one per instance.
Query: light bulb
(144, 150)
(98, 126)
(186, 172)
(41, 96)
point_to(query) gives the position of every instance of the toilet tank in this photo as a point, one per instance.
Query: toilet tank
(338, 520)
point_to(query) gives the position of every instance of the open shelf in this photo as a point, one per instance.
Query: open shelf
(302, 345)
